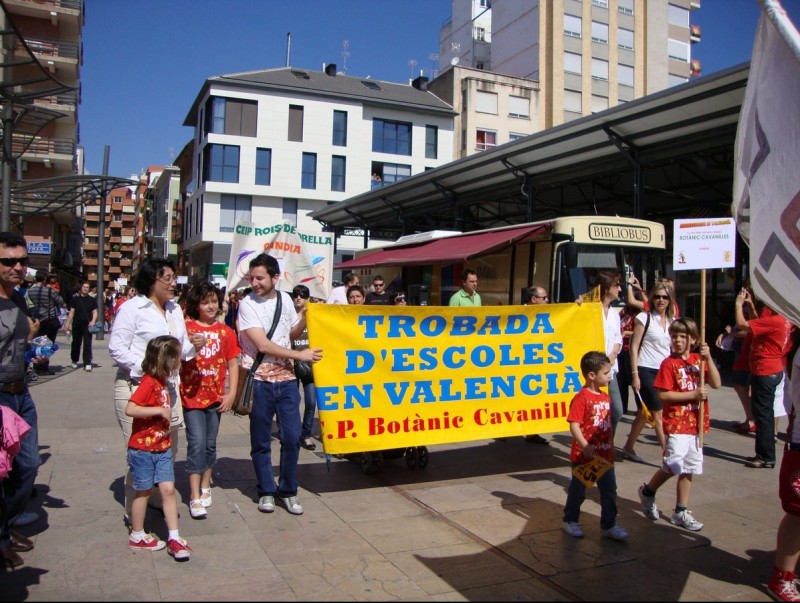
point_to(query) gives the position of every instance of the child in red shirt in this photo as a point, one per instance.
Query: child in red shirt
(203, 390)
(149, 448)
(678, 384)
(590, 424)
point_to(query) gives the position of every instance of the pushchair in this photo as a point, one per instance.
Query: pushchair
(372, 462)
(40, 348)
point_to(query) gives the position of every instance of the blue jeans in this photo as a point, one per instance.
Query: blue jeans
(576, 494)
(281, 398)
(202, 427)
(310, 399)
(17, 487)
(762, 397)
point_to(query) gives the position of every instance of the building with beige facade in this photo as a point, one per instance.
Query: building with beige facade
(586, 55)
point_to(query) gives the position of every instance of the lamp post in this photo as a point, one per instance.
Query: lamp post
(101, 247)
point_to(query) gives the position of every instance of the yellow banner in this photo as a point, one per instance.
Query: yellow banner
(394, 377)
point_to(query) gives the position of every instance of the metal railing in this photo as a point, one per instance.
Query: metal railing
(51, 48)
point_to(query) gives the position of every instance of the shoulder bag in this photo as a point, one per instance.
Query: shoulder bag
(244, 393)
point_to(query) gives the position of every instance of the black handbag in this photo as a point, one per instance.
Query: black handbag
(302, 370)
(243, 405)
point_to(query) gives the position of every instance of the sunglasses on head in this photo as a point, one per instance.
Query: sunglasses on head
(11, 262)
(400, 298)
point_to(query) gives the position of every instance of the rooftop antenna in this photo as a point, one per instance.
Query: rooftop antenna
(288, 48)
(434, 59)
(412, 63)
(345, 54)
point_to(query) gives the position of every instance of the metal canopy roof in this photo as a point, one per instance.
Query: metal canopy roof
(683, 139)
(64, 193)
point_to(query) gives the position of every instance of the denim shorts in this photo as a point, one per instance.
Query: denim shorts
(150, 468)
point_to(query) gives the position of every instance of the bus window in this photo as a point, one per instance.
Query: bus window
(590, 261)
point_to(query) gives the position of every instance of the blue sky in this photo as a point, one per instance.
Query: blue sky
(146, 60)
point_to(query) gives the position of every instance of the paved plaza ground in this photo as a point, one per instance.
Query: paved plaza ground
(482, 522)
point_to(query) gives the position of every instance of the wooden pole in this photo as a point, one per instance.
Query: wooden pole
(701, 410)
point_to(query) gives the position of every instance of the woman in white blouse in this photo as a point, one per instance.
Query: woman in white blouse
(146, 316)
(650, 345)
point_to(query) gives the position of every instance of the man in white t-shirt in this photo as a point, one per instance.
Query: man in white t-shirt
(275, 391)
(339, 294)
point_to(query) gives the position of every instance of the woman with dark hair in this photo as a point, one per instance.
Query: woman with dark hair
(650, 345)
(145, 317)
(356, 295)
(300, 296)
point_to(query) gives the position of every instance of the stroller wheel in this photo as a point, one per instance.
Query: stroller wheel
(423, 457)
(412, 457)
(367, 463)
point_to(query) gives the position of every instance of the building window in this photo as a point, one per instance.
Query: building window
(678, 50)
(391, 137)
(676, 80)
(485, 139)
(231, 116)
(573, 63)
(625, 6)
(395, 172)
(263, 166)
(572, 101)
(339, 129)
(599, 69)
(600, 3)
(678, 16)
(480, 65)
(431, 142)
(221, 162)
(599, 103)
(625, 75)
(290, 210)
(338, 173)
(572, 26)
(519, 106)
(233, 209)
(485, 3)
(295, 123)
(486, 102)
(625, 38)
(480, 34)
(600, 32)
(309, 177)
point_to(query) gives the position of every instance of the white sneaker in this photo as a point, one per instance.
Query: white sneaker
(294, 507)
(266, 504)
(197, 510)
(573, 528)
(74, 365)
(649, 507)
(615, 532)
(686, 520)
(88, 368)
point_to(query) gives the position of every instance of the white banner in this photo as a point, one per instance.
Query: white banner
(766, 190)
(306, 258)
(703, 243)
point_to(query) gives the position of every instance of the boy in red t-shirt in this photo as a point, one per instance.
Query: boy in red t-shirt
(590, 424)
(678, 385)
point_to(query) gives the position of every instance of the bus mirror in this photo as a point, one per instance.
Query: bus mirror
(570, 255)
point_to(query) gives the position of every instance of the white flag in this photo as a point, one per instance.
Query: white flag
(766, 187)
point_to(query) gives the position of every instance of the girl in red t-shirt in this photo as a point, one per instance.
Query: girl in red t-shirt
(149, 448)
(203, 389)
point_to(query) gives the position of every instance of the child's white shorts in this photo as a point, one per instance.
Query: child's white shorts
(682, 455)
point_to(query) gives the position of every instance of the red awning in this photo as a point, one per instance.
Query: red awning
(447, 250)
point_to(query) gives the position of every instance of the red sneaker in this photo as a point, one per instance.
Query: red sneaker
(148, 543)
(179, 549)
(782, 586)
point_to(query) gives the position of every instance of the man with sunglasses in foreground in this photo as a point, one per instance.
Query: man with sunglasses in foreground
(16, 328)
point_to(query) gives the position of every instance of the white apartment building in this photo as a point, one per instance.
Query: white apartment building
(277, 144)
(587, 55)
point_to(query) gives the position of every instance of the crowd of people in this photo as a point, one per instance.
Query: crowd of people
(179, 358)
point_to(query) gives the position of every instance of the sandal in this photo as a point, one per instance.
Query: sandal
(196, 509)
(308, 444)
(10, 559)
(632, 456)
(205, 497)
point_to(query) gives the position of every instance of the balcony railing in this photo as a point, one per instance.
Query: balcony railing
(66, 100)
(69, 4)
(49, 146)
(54, 49)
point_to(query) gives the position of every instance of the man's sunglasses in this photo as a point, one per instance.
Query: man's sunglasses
(11, 262)
(301, 295)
